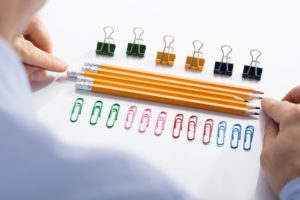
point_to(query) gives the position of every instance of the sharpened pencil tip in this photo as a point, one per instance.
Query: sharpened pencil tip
(256, 113)
(246, 101)
(257, 108)
(260, 98)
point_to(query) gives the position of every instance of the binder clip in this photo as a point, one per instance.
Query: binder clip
(166, 57)
(224, 67)
(99, 108)
(178, 119)
(209, 124)
(106, 47)
(197, 61)
(192, 125)
(78, 103)
(146, 115)
(249, 131)
(136, 48)
(253, 71)
(131, 113)
(221, 131)
(162, 117)
(237, 129)
(115, 108)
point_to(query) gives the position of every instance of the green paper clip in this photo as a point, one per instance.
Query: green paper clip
(106, 47)
(136, 48)
(114, 108)
(99, 107)
(79, 102)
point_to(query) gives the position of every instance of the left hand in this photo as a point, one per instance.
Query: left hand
(35, 50)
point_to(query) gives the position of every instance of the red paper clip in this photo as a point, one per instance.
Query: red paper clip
(178, 119)
(209, 124)
(162, 116)
(193, 120)
(146, 115)
(131, 112)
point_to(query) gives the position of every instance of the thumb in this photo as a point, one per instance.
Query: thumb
(276, 109)
(35, 74)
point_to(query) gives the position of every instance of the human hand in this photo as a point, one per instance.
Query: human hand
(34, 48)
(280, 158)
(15, 15)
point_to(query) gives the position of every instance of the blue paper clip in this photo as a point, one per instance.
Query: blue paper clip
(221, 130)
(249, 131)
(237, 128)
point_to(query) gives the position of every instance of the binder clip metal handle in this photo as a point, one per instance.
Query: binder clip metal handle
(178, 119)
(137, 39)
(108, 31)
(225, 56)
(167, 47)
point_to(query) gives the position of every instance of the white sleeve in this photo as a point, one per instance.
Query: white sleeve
(33, 165)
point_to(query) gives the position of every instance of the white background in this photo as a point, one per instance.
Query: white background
(206, 172)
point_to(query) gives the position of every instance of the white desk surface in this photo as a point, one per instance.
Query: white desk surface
(206, 172)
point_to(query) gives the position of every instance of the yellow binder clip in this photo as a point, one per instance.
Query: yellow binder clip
(166, 57)
(197, 61)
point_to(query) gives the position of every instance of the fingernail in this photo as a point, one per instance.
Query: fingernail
(37, 76)
(63, 64)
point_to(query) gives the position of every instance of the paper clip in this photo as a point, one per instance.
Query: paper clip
(78, 103)
(221, 131)
(192, 124)
(209, 124)
(237, 128)
(166, 57)
(107, 47)
(249, 131)
(99, 107)
(146, 115)
(224, 67)
(197, 61)
(253, 71)
(131, 112)
(115, 108)
(136, 48)
(162, 117)
(178, 119)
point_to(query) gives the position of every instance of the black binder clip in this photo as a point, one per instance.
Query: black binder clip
(226, 67)
(253, 71)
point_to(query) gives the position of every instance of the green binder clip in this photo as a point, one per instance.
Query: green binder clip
(97, 106)
(78, 103)
(106, 47)
(137, 48)
(114, 109)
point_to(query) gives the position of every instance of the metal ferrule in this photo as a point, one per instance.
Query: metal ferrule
(85, 79)
(90, 68)
(84, 86)
(74, 74)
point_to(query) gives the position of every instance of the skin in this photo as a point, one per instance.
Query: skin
(280, 157)
(29, 37)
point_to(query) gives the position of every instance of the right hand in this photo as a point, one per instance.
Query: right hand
(280, 157)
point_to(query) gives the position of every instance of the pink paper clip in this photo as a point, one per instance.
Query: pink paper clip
(209, 124)
(193, 121)
(131, 113)
(146, 115)
(178, 119)
(162, 116)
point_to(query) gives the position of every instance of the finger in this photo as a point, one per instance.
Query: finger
(38, 35)
(275, 109)
(271, 132)
(293, 96)
(34, 56)
(35, 74)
